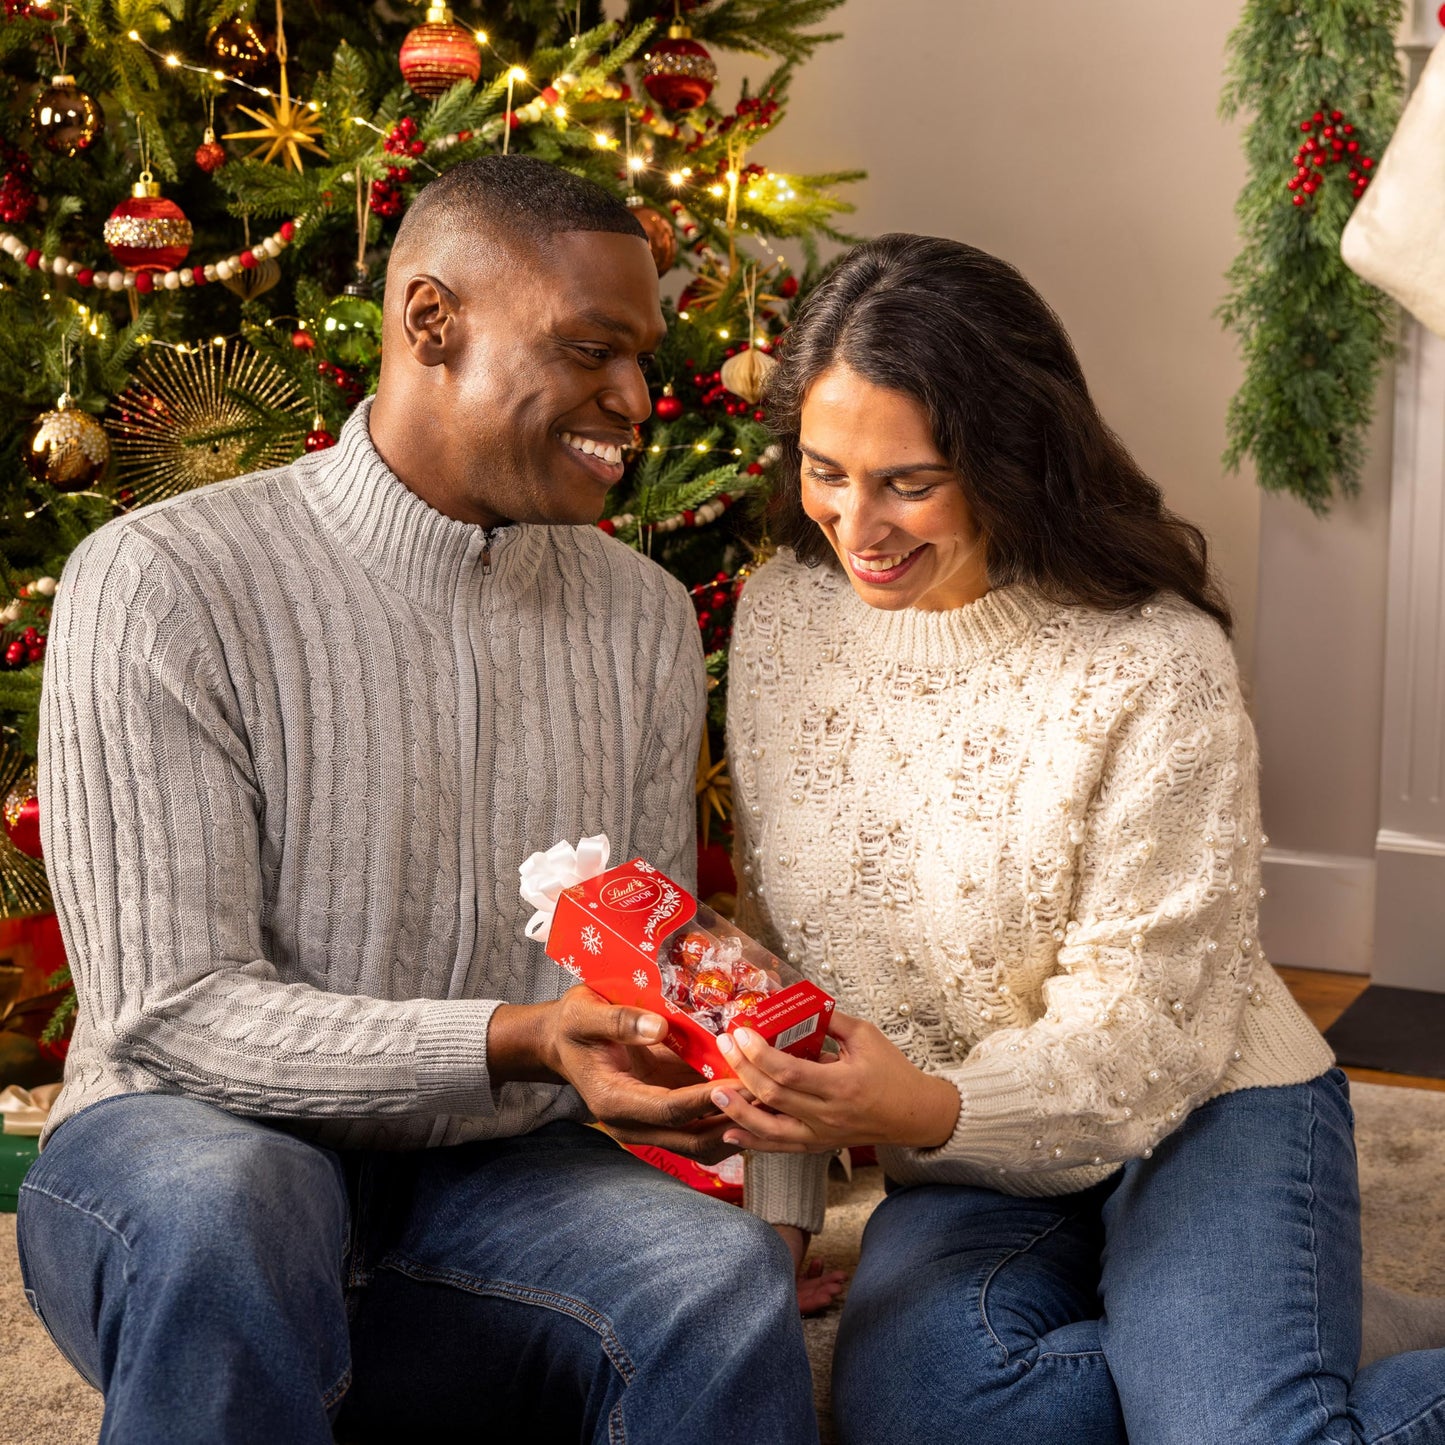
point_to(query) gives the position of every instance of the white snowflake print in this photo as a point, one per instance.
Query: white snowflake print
(647, 947)
(591, 939)
(639, 977)
(707, 1071)
(572, 966)
(644, 867)
(828, 1007)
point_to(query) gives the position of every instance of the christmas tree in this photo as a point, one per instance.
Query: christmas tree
(196, 206)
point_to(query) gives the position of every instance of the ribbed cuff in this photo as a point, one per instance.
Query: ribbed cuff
(787, 1189)
(1277, 1043)
(995, 1106)
(451, 1057)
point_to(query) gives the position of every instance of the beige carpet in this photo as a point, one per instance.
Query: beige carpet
(1401, 1136)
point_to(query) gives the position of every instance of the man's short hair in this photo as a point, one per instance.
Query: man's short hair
(520, 195)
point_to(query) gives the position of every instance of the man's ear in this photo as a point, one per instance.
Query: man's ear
(429, 320)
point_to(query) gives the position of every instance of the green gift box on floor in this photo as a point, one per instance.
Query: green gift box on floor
(17, 1153)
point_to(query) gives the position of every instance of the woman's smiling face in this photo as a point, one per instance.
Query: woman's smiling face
(888, 501)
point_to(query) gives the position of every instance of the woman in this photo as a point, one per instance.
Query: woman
(997, 793)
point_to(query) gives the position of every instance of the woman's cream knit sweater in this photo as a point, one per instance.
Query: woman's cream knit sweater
(1023, 839)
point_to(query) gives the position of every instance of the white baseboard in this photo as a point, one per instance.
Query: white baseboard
(1410, 921)
(1318, 911)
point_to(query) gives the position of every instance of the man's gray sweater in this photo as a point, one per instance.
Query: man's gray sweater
(299, 730)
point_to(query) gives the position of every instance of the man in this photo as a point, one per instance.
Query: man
(319, 1146)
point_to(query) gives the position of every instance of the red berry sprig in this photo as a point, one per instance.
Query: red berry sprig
(1329, 140)
(25, 650)
(350, 388)
(17, 195)
(401, 140)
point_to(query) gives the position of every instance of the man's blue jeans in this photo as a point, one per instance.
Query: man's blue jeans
(223, 1281)
(1207, 1296)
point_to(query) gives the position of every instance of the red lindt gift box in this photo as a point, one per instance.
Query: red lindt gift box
(617, 932)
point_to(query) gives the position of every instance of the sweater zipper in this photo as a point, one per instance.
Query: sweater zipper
(487, 535)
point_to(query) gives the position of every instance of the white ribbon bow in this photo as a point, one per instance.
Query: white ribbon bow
(545, 876)
(24, 1111)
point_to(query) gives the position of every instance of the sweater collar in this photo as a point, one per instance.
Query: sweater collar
(957, 637)
(397, 536)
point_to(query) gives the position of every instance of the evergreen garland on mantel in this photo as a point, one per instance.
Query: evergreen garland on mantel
(1312, 332)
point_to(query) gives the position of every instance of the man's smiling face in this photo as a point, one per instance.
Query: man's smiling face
(549, 380)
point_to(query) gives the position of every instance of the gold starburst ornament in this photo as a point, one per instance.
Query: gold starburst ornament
(714, 788)
(190, 418)
(285, 130)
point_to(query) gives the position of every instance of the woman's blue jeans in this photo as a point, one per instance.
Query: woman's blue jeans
(222, 1281)
(1207, 1296)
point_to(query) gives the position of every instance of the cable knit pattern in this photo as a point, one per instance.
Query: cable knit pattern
(1023, 839)
(297, 737)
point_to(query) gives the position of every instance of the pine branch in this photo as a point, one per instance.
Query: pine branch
(1313, 335)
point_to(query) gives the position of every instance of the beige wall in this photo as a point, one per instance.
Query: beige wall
(1080, 142)
(1083, 143)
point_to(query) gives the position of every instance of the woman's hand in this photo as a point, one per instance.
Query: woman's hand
(818, 1286)
(869, 1094)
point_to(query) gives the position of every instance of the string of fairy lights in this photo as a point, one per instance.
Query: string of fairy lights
(549, 97)
(547, 103)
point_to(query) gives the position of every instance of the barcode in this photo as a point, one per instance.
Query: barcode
(798, 1031)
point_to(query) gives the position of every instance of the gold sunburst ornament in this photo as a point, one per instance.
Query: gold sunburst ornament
(287, 128)
(23, 885)
(714, 789)
(180, 423)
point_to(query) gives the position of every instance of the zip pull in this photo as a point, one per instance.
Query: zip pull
(487, 535)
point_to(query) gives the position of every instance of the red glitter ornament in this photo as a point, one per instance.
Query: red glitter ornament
(22, 808)
(147, 232)
(210, 154)
(788, 287)
(303, 341)
(438, 54)
(667, 407)
(678, 73)
(318, 439)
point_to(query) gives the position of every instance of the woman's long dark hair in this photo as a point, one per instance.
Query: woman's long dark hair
(1059, 500)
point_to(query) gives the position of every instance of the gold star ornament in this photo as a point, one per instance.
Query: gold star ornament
(714, 787)
(284, 131)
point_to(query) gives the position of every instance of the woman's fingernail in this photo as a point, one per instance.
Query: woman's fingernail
(720, 1098)
(744, 1036)
(732, 1138)
(725, 1043)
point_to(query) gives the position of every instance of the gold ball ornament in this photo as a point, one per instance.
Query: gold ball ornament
(438, 54)
(237, 48)
(66, 448)
(747, 373)
(661, 237)
(64, 118)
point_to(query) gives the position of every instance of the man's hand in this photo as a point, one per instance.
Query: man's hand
(643, 1093)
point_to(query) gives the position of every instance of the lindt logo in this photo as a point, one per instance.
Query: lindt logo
(630, 895)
